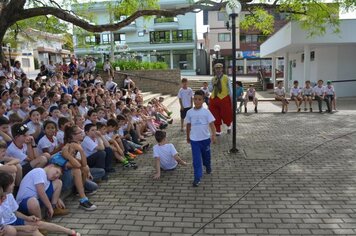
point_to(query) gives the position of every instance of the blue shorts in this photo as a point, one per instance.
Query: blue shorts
(23, 208)
(18, 222)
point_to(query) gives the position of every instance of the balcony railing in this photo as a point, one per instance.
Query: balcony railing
(165, 20)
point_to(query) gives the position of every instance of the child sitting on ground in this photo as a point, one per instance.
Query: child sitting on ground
(9, 164)
(48, 143)
(165, 154)
(41, 187)
(17, 223)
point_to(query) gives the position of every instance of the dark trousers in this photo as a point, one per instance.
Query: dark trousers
(320, 103)
(101, 159)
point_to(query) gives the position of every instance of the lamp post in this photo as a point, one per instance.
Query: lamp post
(233, 8)
(8, 45)
(217, 51)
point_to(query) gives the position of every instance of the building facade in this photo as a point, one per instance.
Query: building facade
(248, 44)
(171, 40)
(328, 57)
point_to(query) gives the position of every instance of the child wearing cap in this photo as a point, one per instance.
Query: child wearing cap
(22, 148)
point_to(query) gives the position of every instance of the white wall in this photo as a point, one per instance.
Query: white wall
(331, 63)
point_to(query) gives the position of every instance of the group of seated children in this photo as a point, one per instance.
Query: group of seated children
(51, 140)
(307, 95)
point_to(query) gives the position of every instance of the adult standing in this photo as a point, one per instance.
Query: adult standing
(220, 99)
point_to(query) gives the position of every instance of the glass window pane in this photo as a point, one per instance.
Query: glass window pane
(183, 59)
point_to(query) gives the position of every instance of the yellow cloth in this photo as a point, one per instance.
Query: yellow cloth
(224, 87)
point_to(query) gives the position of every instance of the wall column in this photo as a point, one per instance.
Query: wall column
(306, 65)
(273, 72)
(171, 58)
(245, 66)
(286, 70)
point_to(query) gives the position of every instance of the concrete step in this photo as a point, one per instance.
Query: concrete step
(148, 97)
(170, 100)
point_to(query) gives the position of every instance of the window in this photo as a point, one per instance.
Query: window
(183, 59)
(105, 38)
(90, 39)
(224, 37)
(118, 37)
(182, 36)
(25, 62)
(159, 37)
(312, 56)
(222, 16)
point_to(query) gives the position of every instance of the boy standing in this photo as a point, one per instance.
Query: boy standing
(185, 96)
(165, 154)
(198, 121)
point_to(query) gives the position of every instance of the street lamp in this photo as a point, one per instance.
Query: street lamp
(233, 8)
(8, 45)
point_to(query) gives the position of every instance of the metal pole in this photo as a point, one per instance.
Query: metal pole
(9, 48)
(234, 102)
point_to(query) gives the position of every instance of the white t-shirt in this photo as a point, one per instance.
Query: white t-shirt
(7, 209)
(307, 91)
(110, 85)
(319, 90)
(89, 146)
(166, 153)
(329, 91)
(199, 120)
(279, 91)
(15, 152)
(294, 91)
(87, 121)
(206, 91)
(186, 96)
(60, 137)
(46, 143)
(28, 184)
(83, 110)
(73, 82)
(32, 127)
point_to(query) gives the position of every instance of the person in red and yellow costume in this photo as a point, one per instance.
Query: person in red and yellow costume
(220, 99)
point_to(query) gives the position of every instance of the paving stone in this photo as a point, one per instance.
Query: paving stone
(306, 179)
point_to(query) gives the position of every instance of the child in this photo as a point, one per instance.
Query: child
(320, 96)
(63, 122)
(22, 148)
(108, 142)
(330, 94)
(240, 95)
(198, 121)
(24, 108)
(280, 95)
(44, 113)
(165, 154)
(185, 96)
(308, 96)
(9, 164)
(95, 151)
(35, 124)
(48, 143)
(251, 96)
(296, 95)
(41, 187)
(205, 89)
(65, 111)
(4, 130)
(55, 114)
(92, 117)
(17, 223)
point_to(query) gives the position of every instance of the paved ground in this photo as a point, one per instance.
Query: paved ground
(295, 174)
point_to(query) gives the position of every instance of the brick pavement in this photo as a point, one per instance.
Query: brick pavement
(313, 195)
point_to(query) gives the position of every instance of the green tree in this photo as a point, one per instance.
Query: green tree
(314, 15)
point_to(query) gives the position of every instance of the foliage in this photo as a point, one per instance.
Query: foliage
(37, 65)
(259, 20)
(136, 65)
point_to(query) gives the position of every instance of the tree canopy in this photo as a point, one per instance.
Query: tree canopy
(314, 15)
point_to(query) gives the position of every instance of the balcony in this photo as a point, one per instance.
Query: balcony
(166, 23)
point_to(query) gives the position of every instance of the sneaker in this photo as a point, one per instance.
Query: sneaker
(305, 109)
(170, 121)
(133, 165)
(208, 171)
(218, 133)
(138, 152)
(298, 110)
(256, 110)
(60, 211)
(130, 155)
(88, 206)
(229, 129)
(196, 183)
(126, 165)
(245, 109)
